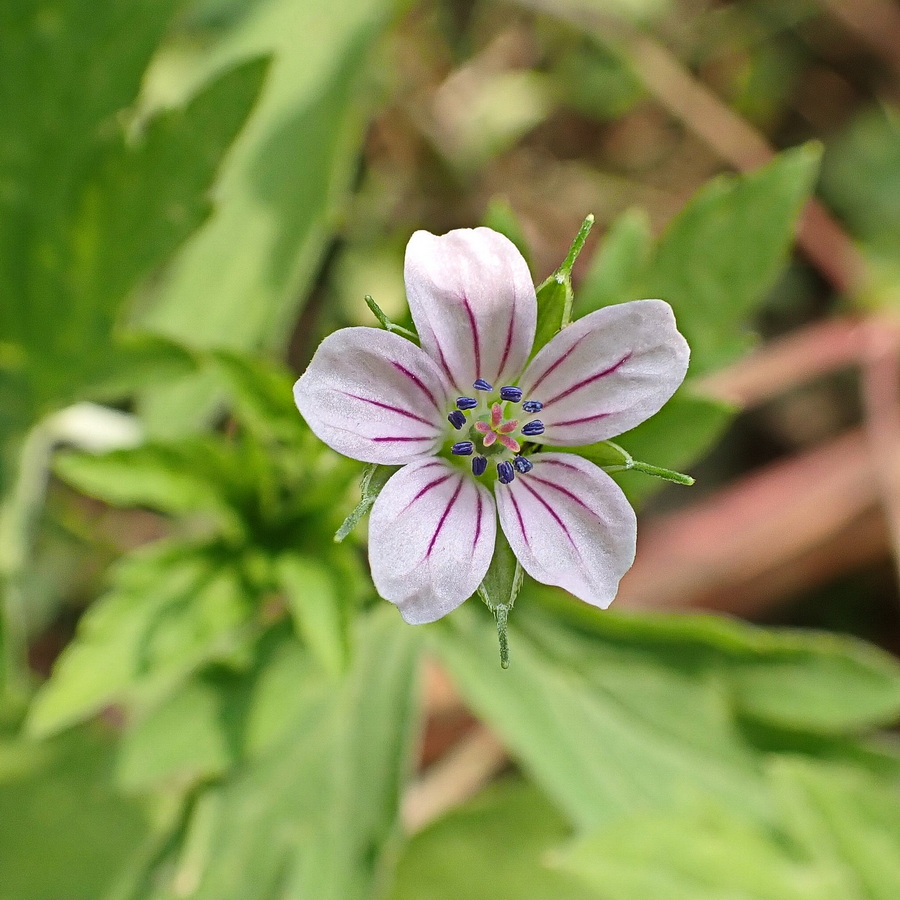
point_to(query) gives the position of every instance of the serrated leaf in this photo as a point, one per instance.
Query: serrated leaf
(176, 479)
(169, 610)
(314, 813)
(835, 835)
(699, 849)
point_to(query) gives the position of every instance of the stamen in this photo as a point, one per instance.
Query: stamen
(523, 464)
(536, 426)
(482, 385)
(513, 394)
(479, 464)
(466, 403)
(532, 406)
(462, 448)
(505, 472)
(456, 419)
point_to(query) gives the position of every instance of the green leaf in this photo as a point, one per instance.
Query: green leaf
(495, 845)
(178, 743)
(661, 700)
(314, 813)
(105, 208)
(845, 820)
(555, 295)
(240, 281)
(374, 479)
(66, 833)
(724, 250)
(701, 849)
(836, 836)
(316, 608)
(262, 396)
(175, 479)
(169, 610)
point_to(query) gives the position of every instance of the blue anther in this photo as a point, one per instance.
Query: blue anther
(532, 406)
(513, 394)
(482, 385)
(535, 426)
(523, 464)
(462, 448)
(505, 471)
(466, 403)
(479, 464)
(457, 419)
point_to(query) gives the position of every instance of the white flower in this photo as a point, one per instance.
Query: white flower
(461, 414)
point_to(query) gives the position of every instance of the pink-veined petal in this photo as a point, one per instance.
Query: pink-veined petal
(374, 396)
(431, 539)
(473, 302)
(570, 525)
(607, 372)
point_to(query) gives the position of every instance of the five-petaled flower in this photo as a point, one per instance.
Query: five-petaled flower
(468, 411)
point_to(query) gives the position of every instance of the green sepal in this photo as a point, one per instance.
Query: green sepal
(500, 588)
(386, 322)
(555, 296)
(613, 458)
(374, 479)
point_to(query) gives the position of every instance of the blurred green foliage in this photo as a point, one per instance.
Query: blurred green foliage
(236, 715)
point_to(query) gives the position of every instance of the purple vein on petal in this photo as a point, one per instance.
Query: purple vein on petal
(589, 380)
(391, 408)
(476, 341)
(428, 487)
(564, 491)
(509, 335)
(556, 365)
(553, 513)
(580, 421)
(399, 439)
(443, 518)
(521, 520)
(477, 520)
(418, 382)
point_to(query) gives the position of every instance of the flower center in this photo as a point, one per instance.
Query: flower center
(491, 434)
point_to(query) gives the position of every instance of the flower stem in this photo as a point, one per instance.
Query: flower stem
(501, 613)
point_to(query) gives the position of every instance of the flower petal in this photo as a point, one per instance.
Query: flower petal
(473, 302)
(607, 372)
(570, 525)
(431, 539)
(374, 396)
